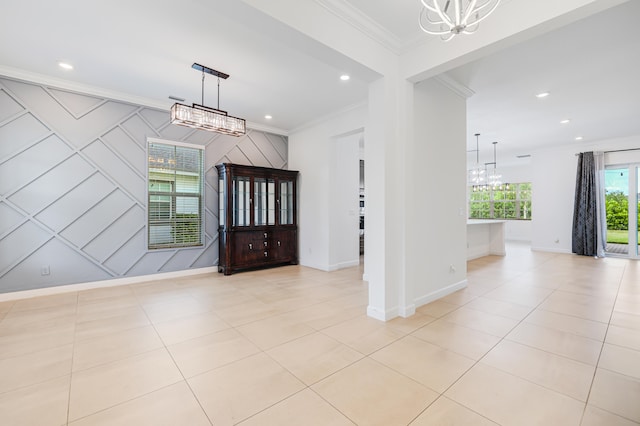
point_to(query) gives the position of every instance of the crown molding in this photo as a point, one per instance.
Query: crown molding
(451, 84)
(364, 24)
(328, 117)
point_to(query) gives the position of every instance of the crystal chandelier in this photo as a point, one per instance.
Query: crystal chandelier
(206, 118)
(447, 18)
(494, 179)
(478, 173)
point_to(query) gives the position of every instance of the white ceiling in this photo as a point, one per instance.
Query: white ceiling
(145, 49)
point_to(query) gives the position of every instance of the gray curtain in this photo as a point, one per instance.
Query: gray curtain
(588, 235)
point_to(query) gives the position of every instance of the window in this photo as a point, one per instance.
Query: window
(512, 201)
(175, 178)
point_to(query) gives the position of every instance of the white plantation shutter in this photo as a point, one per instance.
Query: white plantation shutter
(175, 203)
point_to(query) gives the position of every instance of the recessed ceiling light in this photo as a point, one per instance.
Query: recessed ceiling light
(579, 138)
(542, 95)
(268, 117)
(65, 65)
(344, 77)
(565, 121)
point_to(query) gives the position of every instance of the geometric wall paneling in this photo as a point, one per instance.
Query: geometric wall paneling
(65, 266)
(20, 169)
(20, 133)
(263, 144)
(156, 118)
(73, 186)
(8, 106)
(75, 104)
(128, 254)
(9, 219)
(97, 219)
(76, 202)
(20, 243)
(134, 154)
(138, 128)
(116, 234)
(116, 168)
(47, 188)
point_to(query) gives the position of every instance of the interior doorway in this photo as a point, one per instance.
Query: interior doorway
(621, 200)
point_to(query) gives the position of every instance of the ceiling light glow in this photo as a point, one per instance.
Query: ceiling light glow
(565, 121)
(65, 66)
(268, 117)
(344, 77)
(542, 95)
(579, 138)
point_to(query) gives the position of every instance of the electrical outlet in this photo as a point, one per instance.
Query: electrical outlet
(45, 270)
(452, 269)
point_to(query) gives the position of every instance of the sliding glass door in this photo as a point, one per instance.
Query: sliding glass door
(621, 199)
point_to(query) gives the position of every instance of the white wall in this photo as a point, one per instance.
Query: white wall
(436, 194)
(313, 152)
(554, 174)
(344, 217)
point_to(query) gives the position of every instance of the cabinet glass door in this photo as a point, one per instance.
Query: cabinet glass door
(221, 189)
(260, 201)
(271, 197)
(286, 202)
(241, 196)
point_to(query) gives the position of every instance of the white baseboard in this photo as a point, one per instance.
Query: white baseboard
(343, 265)
(381, 315)
(438, 294)
(48, 291)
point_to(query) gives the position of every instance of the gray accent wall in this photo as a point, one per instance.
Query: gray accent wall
(73, 186)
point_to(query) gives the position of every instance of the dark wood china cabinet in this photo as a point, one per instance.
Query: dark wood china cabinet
(258, 223)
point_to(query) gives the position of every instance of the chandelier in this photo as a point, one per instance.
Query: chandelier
(207, 118)
(447, 18)
(477, 173)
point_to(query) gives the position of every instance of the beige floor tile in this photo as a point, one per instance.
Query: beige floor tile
(510, 400)
(445, 412)
(234, 392)
(106, 385)
(462, 340)
(56, 300)
(587, 307)
(495, 325)
(324, 315)
(169, 406)
(104, 293)
(593, 416)
(621, 360)
(623, 336)
(497, 307)
(410, 324)
(39, 316)
(6, 306)
(125, 319)
(314, 357)
(617, 394)
(97, 309)
(520, 295)
(21, 340)
(114, 347)
(555, 372)
(304, 408)
(558, 342)
(624, 319)
(274, 331)
(40, 404)
(245, 313)
(570, 324)
(36, 367)
(369, 393)
(627, 306)
(211, 351)
(437, 308)
(177, 307)
(460, 297)
(424, 362)
(364, 334)
(182, 329)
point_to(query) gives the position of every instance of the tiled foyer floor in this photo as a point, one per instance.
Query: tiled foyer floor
(536, 339)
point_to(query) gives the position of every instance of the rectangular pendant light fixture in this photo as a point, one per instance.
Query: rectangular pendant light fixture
(207, 118)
